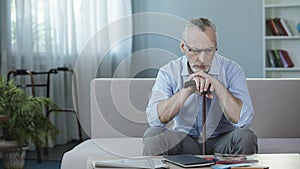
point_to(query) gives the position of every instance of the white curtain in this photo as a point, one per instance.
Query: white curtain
(39, 35)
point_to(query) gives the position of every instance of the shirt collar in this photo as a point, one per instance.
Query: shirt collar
(215, 66)
(185, 69)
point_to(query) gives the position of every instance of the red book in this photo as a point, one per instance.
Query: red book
(283, 61)
(271, 25)
(287, 58)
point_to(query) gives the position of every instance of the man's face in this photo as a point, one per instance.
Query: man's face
(200, 48)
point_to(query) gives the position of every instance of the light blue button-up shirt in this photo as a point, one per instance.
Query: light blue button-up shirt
(171, 78)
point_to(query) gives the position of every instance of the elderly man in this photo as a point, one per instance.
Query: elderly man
(221, 80)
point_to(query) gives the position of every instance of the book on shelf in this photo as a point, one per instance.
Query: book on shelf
(280, 27)
(286, 27)
(278, 58)
(271, 59)
(271, 27)
(284, 61)
(277, 27)
(286, 58)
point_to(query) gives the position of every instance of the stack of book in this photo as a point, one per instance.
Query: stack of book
(278, 58)
(278, 27)
(235, 161)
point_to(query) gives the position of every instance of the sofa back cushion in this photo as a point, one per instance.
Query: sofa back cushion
(118, 107)
(276, 105)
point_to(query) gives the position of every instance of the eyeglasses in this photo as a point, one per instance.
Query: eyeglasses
(208, 51)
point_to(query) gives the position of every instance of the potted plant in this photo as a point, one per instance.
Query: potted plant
(26, 121)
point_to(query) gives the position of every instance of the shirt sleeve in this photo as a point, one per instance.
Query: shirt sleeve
(162, 89)
(239, 89)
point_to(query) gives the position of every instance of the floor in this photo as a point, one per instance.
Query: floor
(54, 154)
(50, 161)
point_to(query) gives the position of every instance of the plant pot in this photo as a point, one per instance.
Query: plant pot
(14, 158)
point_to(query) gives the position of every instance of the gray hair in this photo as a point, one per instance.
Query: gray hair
(201, 23)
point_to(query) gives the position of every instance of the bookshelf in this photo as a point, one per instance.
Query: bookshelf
(287, 10)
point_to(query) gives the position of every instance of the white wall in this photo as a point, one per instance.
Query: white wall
(239, 24)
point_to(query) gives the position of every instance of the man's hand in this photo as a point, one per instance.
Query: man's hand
(204, 84)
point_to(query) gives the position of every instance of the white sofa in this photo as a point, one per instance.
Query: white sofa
(118, 118)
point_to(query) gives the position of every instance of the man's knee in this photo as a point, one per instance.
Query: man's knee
(153, 131)
(245, 140)
(160, 141)
(153, 142)
(246, 135)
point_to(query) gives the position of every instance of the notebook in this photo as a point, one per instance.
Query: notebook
(187, 160)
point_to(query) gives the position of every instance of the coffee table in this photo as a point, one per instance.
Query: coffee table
(273, 161)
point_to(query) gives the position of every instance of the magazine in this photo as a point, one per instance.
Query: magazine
(135, 162)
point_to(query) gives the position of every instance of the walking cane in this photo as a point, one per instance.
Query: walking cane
(193, 83)
(204, 120)
(204, 123)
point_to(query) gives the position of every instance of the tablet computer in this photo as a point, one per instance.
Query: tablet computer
(187, 160)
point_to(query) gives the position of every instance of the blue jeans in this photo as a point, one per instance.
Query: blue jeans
(161, 141)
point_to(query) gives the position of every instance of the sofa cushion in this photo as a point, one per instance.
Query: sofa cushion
(276, 107)
(118, 107)
(101, 148)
